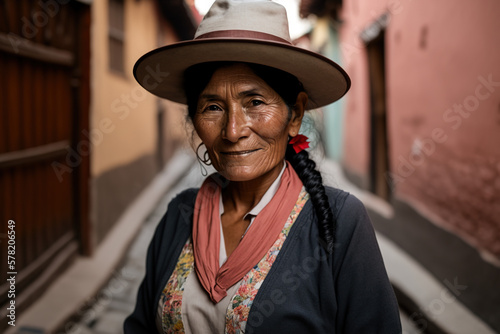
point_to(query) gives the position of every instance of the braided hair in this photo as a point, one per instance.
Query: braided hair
(196, 78)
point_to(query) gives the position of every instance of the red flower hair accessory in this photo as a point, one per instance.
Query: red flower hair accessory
(299, 143)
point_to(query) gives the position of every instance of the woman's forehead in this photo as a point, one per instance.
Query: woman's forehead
(236, 76)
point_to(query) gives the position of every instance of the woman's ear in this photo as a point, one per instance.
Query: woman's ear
(298, 113)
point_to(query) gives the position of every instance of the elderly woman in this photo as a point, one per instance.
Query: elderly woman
(263, 246)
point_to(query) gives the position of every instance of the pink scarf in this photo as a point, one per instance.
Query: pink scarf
(261, 235)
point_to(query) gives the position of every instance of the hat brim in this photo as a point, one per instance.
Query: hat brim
(161, 71)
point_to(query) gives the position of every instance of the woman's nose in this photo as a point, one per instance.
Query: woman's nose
(236, 126)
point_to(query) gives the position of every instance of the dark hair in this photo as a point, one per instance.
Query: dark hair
(196, 78)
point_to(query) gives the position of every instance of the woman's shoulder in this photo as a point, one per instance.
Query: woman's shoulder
(349, 211)
(183, 202)
(336, 196)
(187, 196)
(342, 201)
(179, 212)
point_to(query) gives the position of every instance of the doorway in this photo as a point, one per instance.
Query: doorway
(379, 152)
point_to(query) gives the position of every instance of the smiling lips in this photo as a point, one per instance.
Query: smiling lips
(239, 153)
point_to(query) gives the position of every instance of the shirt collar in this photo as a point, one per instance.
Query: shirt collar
(268, 196)
(252, 213)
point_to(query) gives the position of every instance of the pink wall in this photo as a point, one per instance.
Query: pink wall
(439, 54)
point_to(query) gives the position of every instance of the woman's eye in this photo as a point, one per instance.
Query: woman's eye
(256, 103)
(213, 107)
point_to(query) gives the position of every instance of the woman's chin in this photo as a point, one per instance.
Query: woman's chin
(258, 172)
(237, 177)
(239, 174)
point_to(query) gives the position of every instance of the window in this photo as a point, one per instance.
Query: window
(116, 35)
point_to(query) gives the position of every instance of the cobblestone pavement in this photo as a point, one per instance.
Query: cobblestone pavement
(117, 299)
(108, 311)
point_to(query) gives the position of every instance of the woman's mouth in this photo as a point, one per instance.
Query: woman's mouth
(239, 153)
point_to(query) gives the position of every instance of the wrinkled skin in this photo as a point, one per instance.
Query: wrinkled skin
(244, 125)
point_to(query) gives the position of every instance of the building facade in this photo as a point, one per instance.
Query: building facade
(420, 128)
(80, 138)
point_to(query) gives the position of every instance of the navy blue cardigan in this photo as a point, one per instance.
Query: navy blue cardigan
(306, 291)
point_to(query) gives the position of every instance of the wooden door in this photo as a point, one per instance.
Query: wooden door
(44, 94)
(379, 161)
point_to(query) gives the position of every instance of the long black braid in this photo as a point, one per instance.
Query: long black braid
(288, 87)
(313, 182)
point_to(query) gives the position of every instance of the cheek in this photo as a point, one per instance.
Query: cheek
(275, 132)
(206, 130)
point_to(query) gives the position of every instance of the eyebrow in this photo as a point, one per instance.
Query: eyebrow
(254, 91)
(209, 96)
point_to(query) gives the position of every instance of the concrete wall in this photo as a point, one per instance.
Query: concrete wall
(124, 117)
(325, 40)
(443, 95)
(117, 98)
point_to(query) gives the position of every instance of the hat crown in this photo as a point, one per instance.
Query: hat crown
(262, 16)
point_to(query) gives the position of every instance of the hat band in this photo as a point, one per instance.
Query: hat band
(243, 34)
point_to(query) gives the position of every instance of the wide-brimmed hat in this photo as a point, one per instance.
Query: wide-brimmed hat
(251, 31)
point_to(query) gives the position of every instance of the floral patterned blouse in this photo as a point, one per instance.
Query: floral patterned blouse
(241, 302)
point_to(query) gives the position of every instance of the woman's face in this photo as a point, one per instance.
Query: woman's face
(244, 123)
